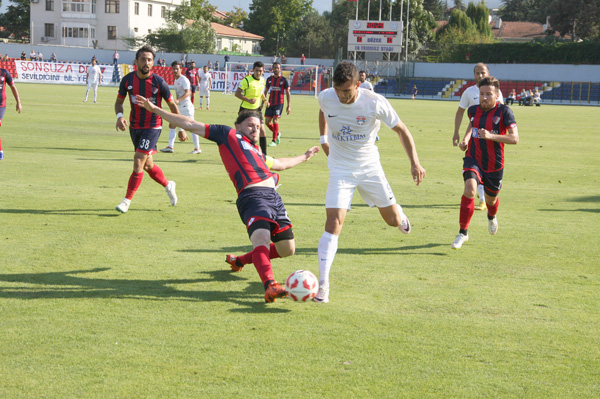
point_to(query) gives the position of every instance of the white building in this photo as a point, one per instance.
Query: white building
(88, 23)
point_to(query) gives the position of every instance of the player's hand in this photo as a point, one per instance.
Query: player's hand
(312, 151)
(144, 102)
(122, 123)
(252, 100)
(455, 139)
(418, 173)
(176, 101)
(463, 145)
(484, 134)
(19, 107)
(182, 135)
(289, 109)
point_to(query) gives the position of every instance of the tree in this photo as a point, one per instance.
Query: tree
(480, 15)
(197, 37)
(459, 5)
(192, 10)
(525, 10)
(272, 20)
(436, 7)
(578, 18)
(16, 19)
(236, 18)
(312, 35)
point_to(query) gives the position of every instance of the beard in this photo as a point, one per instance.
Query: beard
(145, 69)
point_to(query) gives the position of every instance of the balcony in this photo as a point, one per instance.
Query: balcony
(79, 9)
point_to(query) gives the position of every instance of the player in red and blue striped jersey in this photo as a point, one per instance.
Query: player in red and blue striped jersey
(192, 74)
(144, 126)
(492, 125)
(260, 207)
(6, 78)
(278, 86)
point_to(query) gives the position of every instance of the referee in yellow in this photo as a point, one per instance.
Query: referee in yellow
(250, 91)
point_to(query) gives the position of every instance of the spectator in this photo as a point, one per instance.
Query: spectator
(537, 98)
(32, 55)
(283, 59)
(302, 59)
(116, 57)
(40, 56)
(209, 65)
(274, 59)
(226, 60)
(216, 65)
(23, 55)
(522, 97)
(510, 100)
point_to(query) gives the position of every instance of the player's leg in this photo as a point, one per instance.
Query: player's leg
(467, 208)
(188, 110)
(87, 91)
(493, 184)
(481, 195)
(327, 248)
(263, 138)
(261, 240)
(95, 88)
(207, 99)
(170, 147)
(2, 111)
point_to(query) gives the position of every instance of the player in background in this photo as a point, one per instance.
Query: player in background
(260, 207)
(183, 92)
(251, 92)
(6, 78)
(205, 79)
(414, 92)
(364, 83)
(144, 127)
(192, 74)
(93, 78)
(349, 120)
(278, 86)
(469, 98)
(492, 125)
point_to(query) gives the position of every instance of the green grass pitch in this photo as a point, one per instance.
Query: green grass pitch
(95, 304)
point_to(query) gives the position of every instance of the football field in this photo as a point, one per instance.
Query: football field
(97, 304)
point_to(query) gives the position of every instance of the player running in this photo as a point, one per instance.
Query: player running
(6, 78)
(278, 86)
(260, 207)
(492, 125)
(469, 98)
(183, 92)
(205, 78)
(144, 127)
(349, 120)
(93, 78)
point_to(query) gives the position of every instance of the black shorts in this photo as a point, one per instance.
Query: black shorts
(492, 181)
(257, 205)
(274, 111)
(194, 88)
(144, 140)
(2, 111)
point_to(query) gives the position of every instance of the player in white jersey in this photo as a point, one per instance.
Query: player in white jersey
(349, 120)
(364, 83)
(183, 92)
(205, 78)
(93, 78)
(469, 98)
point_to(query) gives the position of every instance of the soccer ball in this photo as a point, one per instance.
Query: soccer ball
(302, 285)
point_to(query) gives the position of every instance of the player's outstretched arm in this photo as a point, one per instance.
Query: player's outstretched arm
(287, 163)
(416, 170)
(179, 120)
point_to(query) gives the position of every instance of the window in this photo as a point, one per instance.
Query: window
(136, 8)
(112, 33)
(49, 30)
(163, 12)
(49, 5)
(78, 32)
(149, 10)
(112, 6)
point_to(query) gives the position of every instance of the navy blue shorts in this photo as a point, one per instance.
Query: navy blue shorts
(274, 110)
(2, 111)
(257, 204)
(492, 181)
(194, 88)
(144, 140)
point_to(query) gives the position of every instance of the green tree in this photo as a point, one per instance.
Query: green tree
(459, 5)
(198, 37)
(272, 20)
(524, 10)
(437, 8)
(578, 18)
(191, 10)
(311, 35)
(480, 15)
(16, 19)
(236, 18)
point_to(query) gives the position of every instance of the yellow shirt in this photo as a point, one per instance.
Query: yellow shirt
(252, 88)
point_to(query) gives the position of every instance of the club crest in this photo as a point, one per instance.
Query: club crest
(496, 120)
(360, 120)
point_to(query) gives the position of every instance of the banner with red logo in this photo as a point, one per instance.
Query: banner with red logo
(58, 72)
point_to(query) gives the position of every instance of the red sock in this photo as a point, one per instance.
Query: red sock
(493, 209)
(157, 175)
(271, 127)
(276, 131)
(260, 258)
(0, 145)
(134, 183)
(467, 207)
(247, 258)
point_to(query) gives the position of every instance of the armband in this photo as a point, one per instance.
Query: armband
(324, 139)
(119, 115)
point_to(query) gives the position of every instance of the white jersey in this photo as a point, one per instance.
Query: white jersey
(181, 85)
(204, 78)
(94, 73)
(366, 85)
(470, 97)
(352, 128)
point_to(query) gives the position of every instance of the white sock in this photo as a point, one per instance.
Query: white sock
(86, 94)
(402, 215)
(200, 99)
(172, 135)
(207, 102)
(328, 245)
(481, 192)
(196, 140)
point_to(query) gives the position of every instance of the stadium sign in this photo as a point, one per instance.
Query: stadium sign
(58, 72)
(375, 36)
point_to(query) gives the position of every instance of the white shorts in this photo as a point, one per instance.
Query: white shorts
(371, 184)
(93, 85)
(203, 91)
(186, 109)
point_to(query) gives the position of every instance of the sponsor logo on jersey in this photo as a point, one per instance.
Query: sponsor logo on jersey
(129, 87)
(475, 133)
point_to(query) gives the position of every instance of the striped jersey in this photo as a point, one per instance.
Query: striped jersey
(5, 79)
(489, 154)
(153, 88)
(244, 161)
(192, 75)
(277, 88)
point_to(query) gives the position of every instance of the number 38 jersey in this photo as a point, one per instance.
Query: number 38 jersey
(153, 88)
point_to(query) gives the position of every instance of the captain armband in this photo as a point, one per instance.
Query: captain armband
(324, 139)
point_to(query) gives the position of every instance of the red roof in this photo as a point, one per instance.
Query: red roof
(223, 30)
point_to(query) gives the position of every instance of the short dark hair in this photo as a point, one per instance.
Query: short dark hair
(176, 63)
(489, 81)
(258, 64)
(277, 63)
(242, 116)
(345, 72)
(362, 71)
(145, 49)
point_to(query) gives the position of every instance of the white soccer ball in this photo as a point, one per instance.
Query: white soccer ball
(302, 285)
